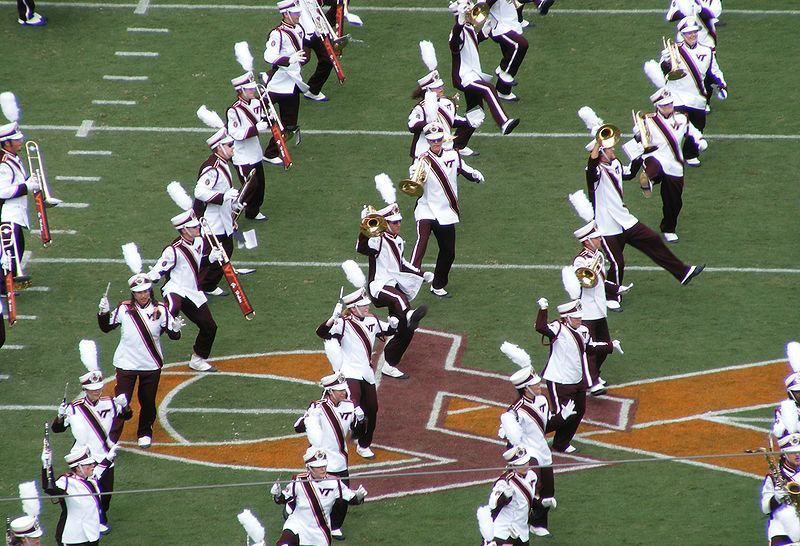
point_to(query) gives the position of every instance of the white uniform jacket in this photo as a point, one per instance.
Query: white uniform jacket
(327, 426)
(439, 201)
(525, 424)
(311, 503)
(511, 501)
(91, 423)
(416, 121)
(283, 41)
(241, 126)
(466, 60)
(357, 339)
(502, 19)
(783, 518)
(139, 348)
(13, 191)
(593, 300)
(214, 180)
(605, 191)
(387, 266)
(83, 510)
(699, 62)
(707, 12)
(180, 262)
(667, 135)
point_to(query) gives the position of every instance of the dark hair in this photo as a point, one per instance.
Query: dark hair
(417, 93)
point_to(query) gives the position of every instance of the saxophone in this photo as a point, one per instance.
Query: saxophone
(789, 486)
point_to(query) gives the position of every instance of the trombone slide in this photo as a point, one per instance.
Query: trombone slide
(276, 126)
(6, 232)
(41, 197)
(230, 273)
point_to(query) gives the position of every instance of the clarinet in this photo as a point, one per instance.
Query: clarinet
(51, 483)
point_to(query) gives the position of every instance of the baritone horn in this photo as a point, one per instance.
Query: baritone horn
(415, 186)
(479, 13)
(608, 135)
(588, 276)
(373, 224)
(675, 71)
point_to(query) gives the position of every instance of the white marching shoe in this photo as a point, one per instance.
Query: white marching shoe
(145, 442)
(365, 452)
(539, 531)
(670, 237)
(200, 364)
(391, 371)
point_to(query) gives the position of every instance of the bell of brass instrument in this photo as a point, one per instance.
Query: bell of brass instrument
(675, 71)
(373, 224)
(588, 276)
(608, 135)
(415, 186)
(479, 13)
(644, 132)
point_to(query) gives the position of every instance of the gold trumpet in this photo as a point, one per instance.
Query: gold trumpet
(479, 13)
(588, 276)
(675, 71)
(373, 224)
(415, 186)
(608, 135)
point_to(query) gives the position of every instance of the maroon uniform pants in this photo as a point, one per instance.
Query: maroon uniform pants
(202, 318)
(339, 510)
(514, 47)
(365, 396)
(289, 106)
(25, 8)
(254, 196)
(478, 92)
(547, 488)
(146, 394)
(560, 394)
(324, 65)
(211, 272)
(446, 239)
(397, 302)
(598, 330)
(671, 194)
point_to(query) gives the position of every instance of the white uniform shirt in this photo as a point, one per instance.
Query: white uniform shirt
(139, 346)
(416, 121)
(333, 424)
(464, 46)
(12, 176)
(241, 126)
(502, 19)
(313, 502)
(783, 520)
(610, 213)
(357, 338)
(90, 424)
(667, 135)
(593, 300)
(214, 181)
(567, 363)
(439, 201)
(83, 511)
(698, 62)
(525, 423)
(283, 41)
(391, 267)
(512, 519)
(182, 261)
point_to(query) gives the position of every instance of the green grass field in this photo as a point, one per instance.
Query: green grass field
(740, 211)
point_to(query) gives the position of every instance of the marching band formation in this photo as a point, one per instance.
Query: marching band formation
(315, 502)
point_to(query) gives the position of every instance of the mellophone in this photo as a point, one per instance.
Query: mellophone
(229, 272)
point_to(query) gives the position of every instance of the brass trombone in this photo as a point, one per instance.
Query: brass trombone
(373, 224)
(415, 186)
(478, 13)
(41, 197)
(675, 71)
(588, 276)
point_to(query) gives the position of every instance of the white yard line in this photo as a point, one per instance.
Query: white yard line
(148, 30)
(37, 289)
(12, 347)
(110, 77)
(89, 152)
(55, 232)
(73, 205)
(246, 411)
(100, 102)
(141, 7)
(136, 54)
(83, 130)
(78, 178)
(27, 317)
(468, 410)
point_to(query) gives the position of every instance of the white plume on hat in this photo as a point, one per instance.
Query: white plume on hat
(354, 274)
(385, 187)
(428, 54)
(571, 283)
(516, 354)
(793, 354)
(131, 254)
(8, 103)
(251, 525)
(789, 418)
(179, 195)
(30, 499)
(590, 119)
(210, 118)
(653, 71)
(582, 205)
(485, 523)
(88, 351)
(243, 55)
(333, 350)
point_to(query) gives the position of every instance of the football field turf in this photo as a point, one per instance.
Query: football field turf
(740, 218)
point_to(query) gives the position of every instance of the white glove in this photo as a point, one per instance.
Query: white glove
(112, 453)
(722, 93)
(5, 261)
(394, 322)
(263, 127)
(549, 502)
(231, 194)
(275, 490)
(62, 410)
(47, 458)
(475, 117)
(361, 493)
(337, 310)
(354, 19)
(121, 400)
(568, 410)
(479, 178)
(427, 276)
(359, 413)
(501, 433)
(177, 324)
(505, 488)
(617, 346)
(623, 289)
(215, 255)
(543, 303)
(32, 183)
(104, 307)
(154, 275)
(702, 145)
(297, 57)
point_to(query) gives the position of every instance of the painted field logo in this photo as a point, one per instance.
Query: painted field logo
(445, 417)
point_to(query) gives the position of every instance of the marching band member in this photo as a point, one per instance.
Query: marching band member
(792, 383)
(80, 523)
(437, 210)
(25, 530)
(776, 501)
(180, 261)
(707, 13)
(139, 357)
(244, 125)
(435, 106)
(512, 498)
(467, 74)
(313, 41)
(672, 135)
(525, 424)
(284, 51)
(567, 371)
(311, 496)
(691, 93)
(618, 227)
(393, 283)
(355, 331)
(15, 184)
(215, 200)
(505, 29)
(328, 422)
(90, 419)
